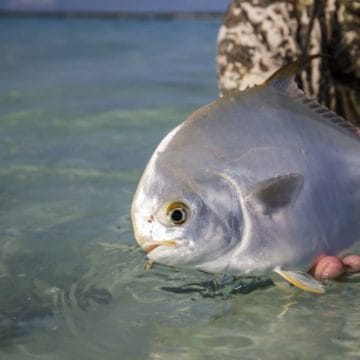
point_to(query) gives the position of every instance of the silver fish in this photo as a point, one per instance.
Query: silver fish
(260, 181)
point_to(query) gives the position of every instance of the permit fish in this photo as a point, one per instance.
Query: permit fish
(259, 182)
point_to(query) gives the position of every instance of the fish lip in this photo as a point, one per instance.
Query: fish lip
(149, 246)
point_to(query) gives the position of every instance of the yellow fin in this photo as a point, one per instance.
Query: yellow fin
(285, 287)
(301, 280)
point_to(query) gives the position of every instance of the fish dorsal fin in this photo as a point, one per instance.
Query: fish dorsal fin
(283, 81)
(276, 193)
(330, 117)
(301, 280)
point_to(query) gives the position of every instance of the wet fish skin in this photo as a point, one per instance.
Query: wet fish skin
(271, 179)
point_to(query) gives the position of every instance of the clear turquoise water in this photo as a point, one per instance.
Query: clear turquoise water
(83, 103)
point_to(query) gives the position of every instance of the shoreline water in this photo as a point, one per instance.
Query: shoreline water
(122, 15)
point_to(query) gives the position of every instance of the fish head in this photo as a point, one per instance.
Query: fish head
(183, 218)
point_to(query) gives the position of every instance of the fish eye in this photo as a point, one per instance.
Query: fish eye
(177, 212)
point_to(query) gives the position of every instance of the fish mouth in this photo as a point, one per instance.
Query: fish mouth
(149, 246)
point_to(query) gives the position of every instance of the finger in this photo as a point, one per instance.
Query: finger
(328, 267)
(352, 263)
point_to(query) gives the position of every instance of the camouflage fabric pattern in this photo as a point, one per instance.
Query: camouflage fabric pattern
(259, 36)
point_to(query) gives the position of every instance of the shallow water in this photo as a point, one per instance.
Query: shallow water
(83, 103)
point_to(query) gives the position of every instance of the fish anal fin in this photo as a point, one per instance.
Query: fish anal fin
(276, 193)
(301, 280)
(284, 286)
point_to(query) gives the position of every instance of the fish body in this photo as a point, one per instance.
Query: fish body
(258, 181)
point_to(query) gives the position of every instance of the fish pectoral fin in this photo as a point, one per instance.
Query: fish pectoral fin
(276, 193)
(301, 280)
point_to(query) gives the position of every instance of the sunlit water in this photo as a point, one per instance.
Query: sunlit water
(83, 103)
